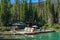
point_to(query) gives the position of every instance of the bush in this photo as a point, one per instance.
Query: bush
(56, 26)
(8, 29)
(51, 26)
(46, 26)
(5, 28)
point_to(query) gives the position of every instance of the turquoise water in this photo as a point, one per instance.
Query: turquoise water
(42, 36)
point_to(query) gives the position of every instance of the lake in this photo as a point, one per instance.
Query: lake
(41, 36)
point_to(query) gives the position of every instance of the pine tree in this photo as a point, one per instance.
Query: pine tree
(26, 11)
(30, 12)
(21, 11)
(0, 12)
(17, 10)
(48, 12)
(41, 14)
(5, 10)
(58, 10)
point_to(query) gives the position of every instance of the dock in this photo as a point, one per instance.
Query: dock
(35, 32)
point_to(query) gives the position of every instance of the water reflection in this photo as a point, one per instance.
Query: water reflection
(30, 35)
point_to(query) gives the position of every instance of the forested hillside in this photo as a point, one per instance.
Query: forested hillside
(40, 12)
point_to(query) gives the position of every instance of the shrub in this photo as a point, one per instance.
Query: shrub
(53, 26)
(46, 26)
(56, 26)
(5, 28)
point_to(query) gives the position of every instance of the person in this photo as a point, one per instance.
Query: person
(16, 27)
(29, 29)
(32, 29)
(26, 28)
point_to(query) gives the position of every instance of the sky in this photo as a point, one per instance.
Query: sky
(12, 1)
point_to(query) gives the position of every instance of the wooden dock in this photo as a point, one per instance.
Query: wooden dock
(35, 32)
(27, 33)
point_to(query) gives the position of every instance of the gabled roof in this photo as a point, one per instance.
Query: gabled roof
(17, 22)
